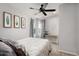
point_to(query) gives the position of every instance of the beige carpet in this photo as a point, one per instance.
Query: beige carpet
(56, 52)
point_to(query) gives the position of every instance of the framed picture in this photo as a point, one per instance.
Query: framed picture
(23, 22)
(16, 21)
(7, 20)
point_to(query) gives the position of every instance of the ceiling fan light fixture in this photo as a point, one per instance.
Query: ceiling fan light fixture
(43, 10)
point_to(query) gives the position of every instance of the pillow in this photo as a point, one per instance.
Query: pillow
(14, 44)
(18, 51)
(23, 47)
(5, 50)
(10, 41)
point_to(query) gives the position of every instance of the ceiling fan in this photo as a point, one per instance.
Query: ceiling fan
(43, 10)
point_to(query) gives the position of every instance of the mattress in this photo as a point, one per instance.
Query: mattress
(35, 46)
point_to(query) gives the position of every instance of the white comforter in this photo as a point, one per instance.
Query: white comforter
(35, 46)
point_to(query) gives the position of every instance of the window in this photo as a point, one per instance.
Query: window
(37, 27)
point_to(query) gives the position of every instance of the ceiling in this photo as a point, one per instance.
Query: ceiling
(24, 8)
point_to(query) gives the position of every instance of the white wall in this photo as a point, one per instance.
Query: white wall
(77, 31)
(52, 19)
(52, 25)
(13, 33)
(67, 27)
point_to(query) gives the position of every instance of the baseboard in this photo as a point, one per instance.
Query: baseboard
(68, 53)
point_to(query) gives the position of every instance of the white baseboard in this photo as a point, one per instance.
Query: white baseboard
(69, 53)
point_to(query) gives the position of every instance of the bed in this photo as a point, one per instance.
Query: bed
(35, 46)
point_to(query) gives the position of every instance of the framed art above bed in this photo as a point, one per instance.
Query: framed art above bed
(23, 22)
(7, 20)
(16, 21)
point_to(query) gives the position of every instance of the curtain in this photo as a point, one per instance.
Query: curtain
(37, 28)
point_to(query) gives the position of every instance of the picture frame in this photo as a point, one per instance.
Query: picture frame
(7, 20)
(16, 21)
(23, 22)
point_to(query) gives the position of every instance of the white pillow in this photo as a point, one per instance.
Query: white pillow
(23, 48)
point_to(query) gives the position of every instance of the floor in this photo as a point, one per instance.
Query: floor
(55, 49)
(57, 52)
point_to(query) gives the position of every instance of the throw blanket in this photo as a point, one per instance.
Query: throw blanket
(18, 51)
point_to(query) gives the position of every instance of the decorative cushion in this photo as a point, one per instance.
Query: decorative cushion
(19, 50)
(5, 50)
(19, 46)
(13, 42)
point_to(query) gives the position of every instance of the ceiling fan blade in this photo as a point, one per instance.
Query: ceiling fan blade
(44, 13)
(48, 10)
(33, 8)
